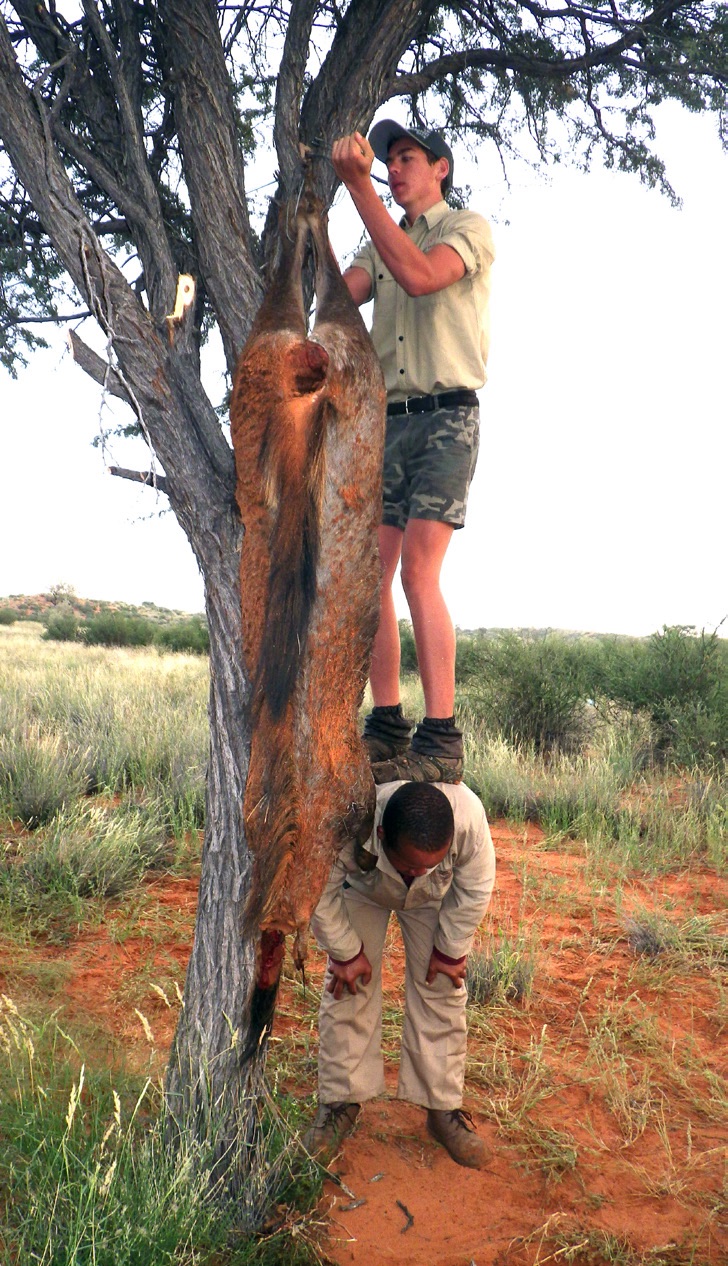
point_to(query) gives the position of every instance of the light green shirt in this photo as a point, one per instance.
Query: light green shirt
(434, 342)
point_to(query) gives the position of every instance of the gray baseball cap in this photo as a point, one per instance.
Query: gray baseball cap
(383, 133)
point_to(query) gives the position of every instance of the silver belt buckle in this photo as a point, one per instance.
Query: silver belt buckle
(406, 405)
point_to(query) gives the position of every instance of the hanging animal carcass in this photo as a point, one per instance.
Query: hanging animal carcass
(307, 417)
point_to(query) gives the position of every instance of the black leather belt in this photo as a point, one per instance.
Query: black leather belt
(427, 404)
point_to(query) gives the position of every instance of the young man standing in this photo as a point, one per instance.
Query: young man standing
(429, 277)
(430, 860)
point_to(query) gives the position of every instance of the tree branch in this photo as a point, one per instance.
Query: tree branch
(289, 90)
(213, 167)
(495, 59)
(102, 175)
(356, 73)
(454, 63)
(160, 274)
(145, 477)
(160, 382)
(97, 368)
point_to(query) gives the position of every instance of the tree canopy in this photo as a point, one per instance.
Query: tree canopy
(155, 112)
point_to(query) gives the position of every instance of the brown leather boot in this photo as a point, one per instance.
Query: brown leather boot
(417, 767)
(332, 1123)
(455, 1130)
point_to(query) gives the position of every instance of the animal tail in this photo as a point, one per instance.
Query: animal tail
(293, 463)
(263, 999)
(272, 815)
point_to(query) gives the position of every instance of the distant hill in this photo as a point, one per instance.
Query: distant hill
(534, 634)
(39, 606)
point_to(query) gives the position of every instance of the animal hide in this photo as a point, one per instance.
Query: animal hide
(307, 416)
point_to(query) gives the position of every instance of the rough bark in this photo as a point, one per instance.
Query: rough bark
(208, 1090)
(213, 166)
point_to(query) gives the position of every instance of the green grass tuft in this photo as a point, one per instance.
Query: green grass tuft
(502, 973)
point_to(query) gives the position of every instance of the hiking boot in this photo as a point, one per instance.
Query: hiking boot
(386, 732)
(332, 1123)
(456, 1132)
(418, 767)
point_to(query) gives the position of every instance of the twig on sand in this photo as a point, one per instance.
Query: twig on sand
(409, 1216)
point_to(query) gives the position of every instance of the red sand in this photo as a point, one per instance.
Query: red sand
(660, 1193)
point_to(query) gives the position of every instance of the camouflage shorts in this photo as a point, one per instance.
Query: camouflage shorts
(429, 459)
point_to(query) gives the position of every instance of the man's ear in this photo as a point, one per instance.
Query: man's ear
(444, 167)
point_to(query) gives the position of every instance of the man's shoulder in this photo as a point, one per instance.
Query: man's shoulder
(465, 803)
(465, 222)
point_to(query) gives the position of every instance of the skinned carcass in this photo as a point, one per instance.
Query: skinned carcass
(307, 417)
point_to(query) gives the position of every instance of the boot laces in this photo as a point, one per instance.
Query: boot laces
(464, 1119)
(336, 1111)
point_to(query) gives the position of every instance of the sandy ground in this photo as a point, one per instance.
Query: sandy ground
(599, 1096)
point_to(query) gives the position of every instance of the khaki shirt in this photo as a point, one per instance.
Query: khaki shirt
(434, 342)
(461, 885)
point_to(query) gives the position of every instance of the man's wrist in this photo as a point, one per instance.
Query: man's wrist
(344, 962)
(445, 958)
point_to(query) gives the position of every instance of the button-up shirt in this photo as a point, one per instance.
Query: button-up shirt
(460, 885)
(436, 342)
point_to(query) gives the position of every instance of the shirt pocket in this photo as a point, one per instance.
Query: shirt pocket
(440, 880)
(383, 279)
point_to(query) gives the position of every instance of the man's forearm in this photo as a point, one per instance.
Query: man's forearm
(407, 263)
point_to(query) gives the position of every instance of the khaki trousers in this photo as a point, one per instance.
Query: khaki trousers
(432, 1058)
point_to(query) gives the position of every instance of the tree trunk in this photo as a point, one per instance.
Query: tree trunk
(212, 1097)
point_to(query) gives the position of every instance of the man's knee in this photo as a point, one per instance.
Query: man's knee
(418, 582)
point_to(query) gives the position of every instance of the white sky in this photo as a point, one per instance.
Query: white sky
(599, 501)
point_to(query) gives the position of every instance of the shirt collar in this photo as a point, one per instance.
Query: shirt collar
(431, 217)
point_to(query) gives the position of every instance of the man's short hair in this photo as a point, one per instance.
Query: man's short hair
(422, 813)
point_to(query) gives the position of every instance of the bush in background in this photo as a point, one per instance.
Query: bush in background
(114, 628)
(111, 628)
(62, 625)
(679, 679)
(534, 691)
(7, 615)
(185, 635)
(408, 662)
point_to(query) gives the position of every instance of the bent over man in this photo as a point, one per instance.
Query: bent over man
(429, 277)
(430, 860)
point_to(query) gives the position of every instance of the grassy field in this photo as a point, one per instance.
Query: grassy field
(598, 992)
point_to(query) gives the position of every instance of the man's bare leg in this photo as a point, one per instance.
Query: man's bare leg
(384, 672)
(435, 752)
(423, 551)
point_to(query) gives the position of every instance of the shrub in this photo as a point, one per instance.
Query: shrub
(7, 615)
(679, 679)
(567, 796)
(95, 852)
(86, 852)
(408, 663)
(62, 625)
(471, 656)
(186, 635)
(111, 628)
(532, 690)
